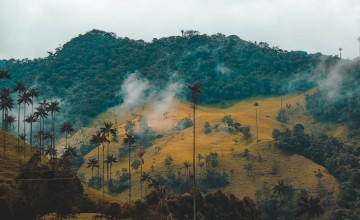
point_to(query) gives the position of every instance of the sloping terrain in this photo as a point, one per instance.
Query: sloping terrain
(10, 166)
(298, 170)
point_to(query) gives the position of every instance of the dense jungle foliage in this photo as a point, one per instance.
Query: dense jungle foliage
(87, 72)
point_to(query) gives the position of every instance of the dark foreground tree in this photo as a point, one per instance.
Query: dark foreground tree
(309, 207)
(53, 190)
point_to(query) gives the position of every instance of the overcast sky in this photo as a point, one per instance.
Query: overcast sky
(30, 28)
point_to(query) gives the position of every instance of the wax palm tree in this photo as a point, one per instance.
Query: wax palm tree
(309, 207)
(110, 160)
(257, 128)
(9, 120)
(140, 154)
(38, 138)
(24, 99)
(19, 88)
(30, 119)
(107, 131)
(145, 177)
(44, 105)
(129, 140)
(281, 187)
(70, 152)
(33, 93)
(162, 193)
(195, 91)
(47, 139)
(187, 166)
(91, 164)
(51, 151)
(66, 129)
(96, 140)
(4, 75)
(6, 104)
(53, 108)
(41, 115)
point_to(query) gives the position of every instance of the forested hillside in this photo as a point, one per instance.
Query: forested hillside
(86, 73)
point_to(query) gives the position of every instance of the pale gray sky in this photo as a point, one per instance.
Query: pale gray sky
(30, 28)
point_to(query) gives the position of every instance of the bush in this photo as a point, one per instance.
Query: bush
(95, 182)
(168, 160)
(211, 160)
(281, 117)
(246, 133)
(212, 180)
(77, 162)
(184, 124)
(207, 128)
(118, 186)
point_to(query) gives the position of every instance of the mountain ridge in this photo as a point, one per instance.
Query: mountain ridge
(92, 66)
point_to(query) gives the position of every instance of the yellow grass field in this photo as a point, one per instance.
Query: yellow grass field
(295, 168)
(10, 165)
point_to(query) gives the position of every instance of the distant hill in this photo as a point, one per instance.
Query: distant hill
(86, 73)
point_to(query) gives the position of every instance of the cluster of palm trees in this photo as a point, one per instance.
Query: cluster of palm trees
(25, 96)
(103, 137)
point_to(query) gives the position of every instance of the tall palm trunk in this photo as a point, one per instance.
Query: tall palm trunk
(66, 134)
(40, 134)
(31, 149)
(194, 176)
(98, 167)
(24, 130)
(19, 129)
(129, 175)
(257, 128)
(53, 129)
(32, 112)
(92, 172)
(141, 183)
(107, 165)
(103, 188)
(110, 171)
(3, 128)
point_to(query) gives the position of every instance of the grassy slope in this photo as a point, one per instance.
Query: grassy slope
(296, 168)
(10, 165)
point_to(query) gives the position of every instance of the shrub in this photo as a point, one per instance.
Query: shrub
(207, 128)
(168, 160)
(184, 124)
